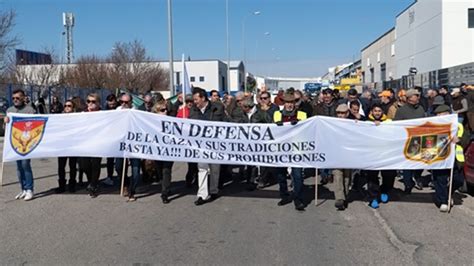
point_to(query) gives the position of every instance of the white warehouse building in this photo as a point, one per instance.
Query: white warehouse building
(434, 34)
(431, 40)
(207, 74)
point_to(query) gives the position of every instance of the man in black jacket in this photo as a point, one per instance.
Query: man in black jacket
(203, 109)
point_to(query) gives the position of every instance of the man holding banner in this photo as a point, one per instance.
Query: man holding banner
(441, 177)
(411, 110)
(290, 114)
(22, 135)
(208, 176)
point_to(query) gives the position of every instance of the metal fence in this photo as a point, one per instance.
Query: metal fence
(452, 76)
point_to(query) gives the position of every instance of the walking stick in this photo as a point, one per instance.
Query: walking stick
(450, 189)
(316, 188)
(123, 176)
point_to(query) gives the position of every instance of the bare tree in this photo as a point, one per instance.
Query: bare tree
(134, 70)
(87, 72)
(7, 42)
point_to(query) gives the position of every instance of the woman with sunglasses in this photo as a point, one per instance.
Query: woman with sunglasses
(91, 165)
(163, 167)
(68, 108)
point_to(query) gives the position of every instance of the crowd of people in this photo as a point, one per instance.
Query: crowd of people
(287, 108)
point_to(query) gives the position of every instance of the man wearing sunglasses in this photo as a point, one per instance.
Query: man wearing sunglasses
(265, 106)
(126, 103)
(25, 174)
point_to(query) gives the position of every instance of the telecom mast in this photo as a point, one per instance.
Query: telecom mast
(68, 22)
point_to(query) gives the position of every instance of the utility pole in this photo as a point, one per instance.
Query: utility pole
(170, 48)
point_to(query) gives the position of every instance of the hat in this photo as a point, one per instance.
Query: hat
(438, 100)
(352, 92)
(455, 90)
(385, 94)
(342, 108)
(288, 97)
(327, 91)
(412, 92)
(441, 109)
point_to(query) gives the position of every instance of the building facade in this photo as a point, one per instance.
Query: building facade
(378, 61)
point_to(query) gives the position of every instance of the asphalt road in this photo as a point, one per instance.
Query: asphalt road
(239, 228)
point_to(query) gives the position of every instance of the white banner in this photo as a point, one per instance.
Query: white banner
(317, 142)
(409, 144)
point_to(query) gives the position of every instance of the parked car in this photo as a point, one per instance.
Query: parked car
(469, 167)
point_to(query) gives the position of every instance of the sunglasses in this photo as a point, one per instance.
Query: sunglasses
(263, 98)
(91, 101)
(341, 113)
(163, 110)
(16, 98)
(68, 105)
(124, 102)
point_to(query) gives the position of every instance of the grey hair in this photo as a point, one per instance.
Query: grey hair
(248, 102)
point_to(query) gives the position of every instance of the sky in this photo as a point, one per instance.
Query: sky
(289, 38)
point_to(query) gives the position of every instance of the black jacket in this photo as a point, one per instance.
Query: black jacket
(213, 112)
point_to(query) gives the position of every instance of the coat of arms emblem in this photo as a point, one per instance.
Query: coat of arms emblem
(26, 133)
(428, 143)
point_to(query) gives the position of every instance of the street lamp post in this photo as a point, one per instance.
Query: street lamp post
(228, 46)
(170, 48)
(255, 13)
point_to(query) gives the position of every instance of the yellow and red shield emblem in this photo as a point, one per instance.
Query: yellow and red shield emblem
(26, 133)
(428, 143)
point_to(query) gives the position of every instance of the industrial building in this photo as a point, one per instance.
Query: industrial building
(432, 44)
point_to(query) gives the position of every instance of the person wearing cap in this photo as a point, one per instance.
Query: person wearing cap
(441, 176)
(411, 110)
(402, 99)
(386, 100)
(341, 176)
(437, 101)
(290, 114)
(460, 105)
(377, 193)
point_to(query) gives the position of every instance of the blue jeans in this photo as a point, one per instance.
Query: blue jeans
(441, 184)
(135, 178)
(325, 172)
(297, 177)
(408, 176)
(25, 174)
